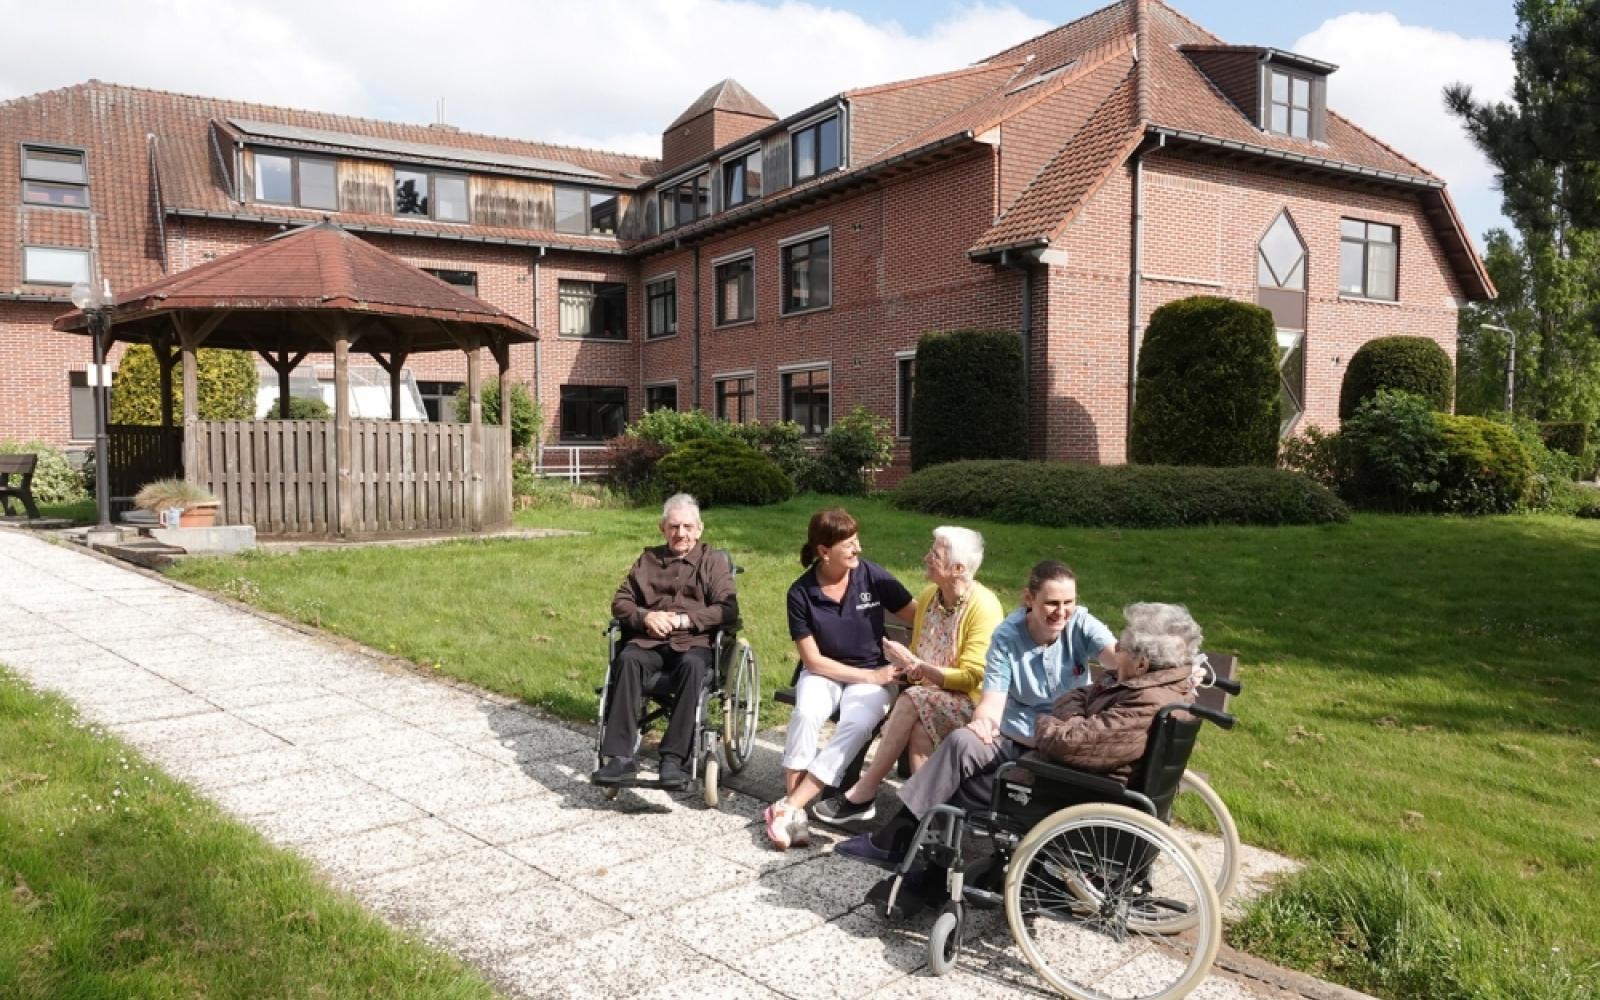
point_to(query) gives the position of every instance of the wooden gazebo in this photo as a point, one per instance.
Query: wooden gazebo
(311, 290)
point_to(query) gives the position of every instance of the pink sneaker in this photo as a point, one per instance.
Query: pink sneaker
(777, 817)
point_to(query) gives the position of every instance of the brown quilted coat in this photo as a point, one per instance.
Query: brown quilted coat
(1102, 728)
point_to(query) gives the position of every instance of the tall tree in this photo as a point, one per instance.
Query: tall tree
(1546, 142)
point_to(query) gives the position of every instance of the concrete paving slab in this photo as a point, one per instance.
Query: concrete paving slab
(262, 693)
(397, 741)
(335, 729)
(661, 880)
(542, 743)
(859, 959)
(335, 818)
(290, 791)
(619, 961)
(393, 773)
(491, 930)
(213, 773)
(477, 786)
(216, 734)
(711, 983)
(434, 888)
(148, 709)
(513, 822)
(371, 853)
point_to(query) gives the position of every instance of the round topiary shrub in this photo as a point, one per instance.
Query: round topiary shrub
(723, 471)
(1487, 469)
(969, 398)
(1411, 364)
(1208, 386)
(302, 408)
(1055, 495)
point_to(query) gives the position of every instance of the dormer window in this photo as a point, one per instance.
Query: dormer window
(583, 212)
(686, 201)
(815, 148)
(1289, 104)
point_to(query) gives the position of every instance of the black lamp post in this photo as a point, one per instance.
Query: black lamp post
(97, 305)
(1511, 362)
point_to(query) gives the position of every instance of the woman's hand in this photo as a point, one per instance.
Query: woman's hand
(884, 676)
(898, 654)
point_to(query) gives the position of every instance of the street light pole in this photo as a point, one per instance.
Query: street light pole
(1511, 362)
(97, 305)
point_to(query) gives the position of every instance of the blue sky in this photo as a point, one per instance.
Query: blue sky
(610, 74)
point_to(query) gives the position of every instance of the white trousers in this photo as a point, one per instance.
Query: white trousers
(861, 707)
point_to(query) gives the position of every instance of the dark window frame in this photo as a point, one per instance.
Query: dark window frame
(28, 180)
(814, 128)
(669, 313)
(743, 396)
(786, 401)
(722, 272)
(654, 388)
(699, 188)
(1366, 242)
(1288, 105)
(431, 197)
(736, 174)
(591, 396)
(787, 291)
(905, 375)
(444, 400)
(615, 292)
(451, 276)
(296, 188)
(88, 260)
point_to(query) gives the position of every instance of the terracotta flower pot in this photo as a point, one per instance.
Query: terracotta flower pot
(201, 515)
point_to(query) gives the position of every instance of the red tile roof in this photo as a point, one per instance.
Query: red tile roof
(729, 95)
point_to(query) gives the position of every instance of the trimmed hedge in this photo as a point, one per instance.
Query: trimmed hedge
(1486, 471)
(1117, 496)
(970, 401)
(302, 408)
(55, 480)
(1208, 386)
(723, 471)
(1412, 364)
(227, 382)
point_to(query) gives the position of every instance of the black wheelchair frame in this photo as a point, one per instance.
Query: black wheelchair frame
(733, 687)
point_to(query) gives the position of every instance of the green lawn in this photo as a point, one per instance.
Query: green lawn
(1419, 718)
(117, 882)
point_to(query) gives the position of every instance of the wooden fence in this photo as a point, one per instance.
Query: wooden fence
(137, 455)
(282, 476)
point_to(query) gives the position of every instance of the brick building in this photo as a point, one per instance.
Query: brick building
(784, 268)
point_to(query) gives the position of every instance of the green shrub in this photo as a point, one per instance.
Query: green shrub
(523, 479)
(1395, 452)
(55, 479)
(673, 427)
(723, 471)
(783, 442)
(227, 381)
(1317, 455)
(525, 416)
(1208, 386)
(1570, 436)
(1117, 496)
(1486, 471)
(631, 464)
(853, 448)
(1413, 364)
(970, 398)
(302, 408)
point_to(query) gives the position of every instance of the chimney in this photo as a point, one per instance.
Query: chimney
(724, 114)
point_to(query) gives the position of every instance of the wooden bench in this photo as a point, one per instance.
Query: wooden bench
(21, 466)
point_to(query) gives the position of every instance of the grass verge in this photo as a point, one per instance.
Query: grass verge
(1418, 712)
(117, 882)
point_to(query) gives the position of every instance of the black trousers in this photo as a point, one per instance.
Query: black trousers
(638, 671)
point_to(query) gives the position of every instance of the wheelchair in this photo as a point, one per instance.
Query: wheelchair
(726, 717)
(1103, 898)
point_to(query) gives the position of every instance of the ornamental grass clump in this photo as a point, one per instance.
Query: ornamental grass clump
(165, 494)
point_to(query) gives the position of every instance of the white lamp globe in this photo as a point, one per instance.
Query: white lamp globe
(82, 294)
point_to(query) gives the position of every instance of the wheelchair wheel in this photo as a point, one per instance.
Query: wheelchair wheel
(741, 707)
(1203, 821)
(708, 780)
(1090, 897)
(944, 939)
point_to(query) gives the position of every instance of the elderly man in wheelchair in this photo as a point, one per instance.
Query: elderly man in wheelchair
(673, 650)
(1102, 897)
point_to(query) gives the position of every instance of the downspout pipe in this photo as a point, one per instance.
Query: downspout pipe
(538, 359)
(1023, 261)
(698, 404)
(1136, 275)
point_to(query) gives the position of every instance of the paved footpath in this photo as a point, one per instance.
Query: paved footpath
(468, 818)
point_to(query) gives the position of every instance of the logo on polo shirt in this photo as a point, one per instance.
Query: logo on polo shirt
(865, 601)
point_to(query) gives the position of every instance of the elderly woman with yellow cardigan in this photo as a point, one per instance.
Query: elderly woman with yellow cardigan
(955, 617)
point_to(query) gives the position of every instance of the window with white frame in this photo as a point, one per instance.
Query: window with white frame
(736, 398)
(736, 290)
(57, 177)
(814, 148)
(807, 274)
(54, 265)
(597, 309)
(661, 307)
(807, 400)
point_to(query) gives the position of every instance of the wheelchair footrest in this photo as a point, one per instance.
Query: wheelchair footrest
(649, 783)
(982, 898)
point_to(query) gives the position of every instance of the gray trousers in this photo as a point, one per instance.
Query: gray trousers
(963, 763)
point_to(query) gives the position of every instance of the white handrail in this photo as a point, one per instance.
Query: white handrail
(573, 469)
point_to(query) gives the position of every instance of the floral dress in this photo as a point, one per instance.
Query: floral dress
(941, 712)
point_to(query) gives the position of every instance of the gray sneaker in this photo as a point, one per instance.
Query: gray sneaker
(838, 810)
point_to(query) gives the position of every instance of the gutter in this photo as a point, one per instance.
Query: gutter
(362, 227)
(1333, 166)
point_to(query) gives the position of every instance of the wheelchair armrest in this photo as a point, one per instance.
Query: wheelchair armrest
(1099, 786)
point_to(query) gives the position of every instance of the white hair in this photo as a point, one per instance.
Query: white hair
(1165, 634)
(680, 500)
(964, 547)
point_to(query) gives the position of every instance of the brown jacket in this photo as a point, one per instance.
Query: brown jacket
(1102, 728)
(700, 585)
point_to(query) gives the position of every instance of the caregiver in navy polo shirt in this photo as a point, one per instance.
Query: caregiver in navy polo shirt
(836, 612)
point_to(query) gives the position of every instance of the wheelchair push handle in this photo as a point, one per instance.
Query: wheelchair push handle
(1226, 684)
(1211, 715)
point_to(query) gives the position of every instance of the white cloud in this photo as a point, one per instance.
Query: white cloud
(606, 73)
(1390, 82)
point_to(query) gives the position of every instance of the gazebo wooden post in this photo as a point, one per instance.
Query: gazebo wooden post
(395, 365)
(166, 357)
(343, 440)
(475, 449)
(500, 347)
(188, 344)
